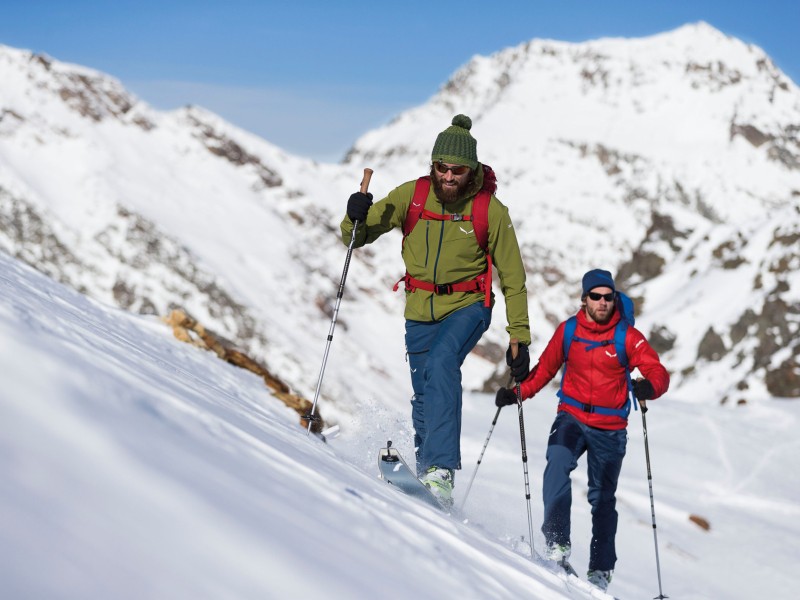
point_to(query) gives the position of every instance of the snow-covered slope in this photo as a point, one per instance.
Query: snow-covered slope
(135, 466)
(150, 211)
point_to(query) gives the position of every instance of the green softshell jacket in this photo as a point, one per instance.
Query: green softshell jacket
(444, 252)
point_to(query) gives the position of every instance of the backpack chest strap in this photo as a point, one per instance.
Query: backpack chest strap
(432, 216)
(592, 344)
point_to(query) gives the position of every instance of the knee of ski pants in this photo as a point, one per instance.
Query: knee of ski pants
(560, 463)
(564, 446)
(417, 368)
(419, 336)
(605, 464)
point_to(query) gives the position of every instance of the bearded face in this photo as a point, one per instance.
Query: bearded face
(599, 304)
(447, 184)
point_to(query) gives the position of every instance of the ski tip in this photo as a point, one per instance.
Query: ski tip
(331, 433)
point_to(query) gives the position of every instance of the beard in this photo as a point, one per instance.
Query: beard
(451, 193)
(599, 316)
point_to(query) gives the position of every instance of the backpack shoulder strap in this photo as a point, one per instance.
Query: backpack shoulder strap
(569, 333)
(480, 218)
(620, 333)
(417, 205)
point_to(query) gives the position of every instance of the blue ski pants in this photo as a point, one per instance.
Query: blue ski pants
(436, 351)
(605, 449)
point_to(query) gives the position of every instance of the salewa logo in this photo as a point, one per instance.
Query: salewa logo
(639, 343)
(552, 432)
(416, 204)
(614, 355)
(465, 231)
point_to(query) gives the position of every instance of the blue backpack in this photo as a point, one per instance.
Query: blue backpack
(624, 305)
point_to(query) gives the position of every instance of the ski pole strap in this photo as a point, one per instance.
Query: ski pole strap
(591, 408)
(630, 393)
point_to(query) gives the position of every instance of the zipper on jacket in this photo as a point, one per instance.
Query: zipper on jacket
(436, 262)
(427, 258)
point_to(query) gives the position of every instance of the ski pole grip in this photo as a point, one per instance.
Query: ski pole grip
(365, 181)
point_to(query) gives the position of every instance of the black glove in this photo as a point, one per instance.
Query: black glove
(505, 397)
(521, 365)
(358, 206)
(643, 389)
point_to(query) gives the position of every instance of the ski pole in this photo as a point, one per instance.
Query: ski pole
(480, 458)
(652, 503)
(311, 416)
(514, 350)
(485, 444)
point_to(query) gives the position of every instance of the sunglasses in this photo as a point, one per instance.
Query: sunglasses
(442, 168)
(596, 297)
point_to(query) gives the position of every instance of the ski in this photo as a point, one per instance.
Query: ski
(564, 564)
(396, 472)
(557, 565)
(571, 574)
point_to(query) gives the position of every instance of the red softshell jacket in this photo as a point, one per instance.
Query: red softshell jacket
(596, 377)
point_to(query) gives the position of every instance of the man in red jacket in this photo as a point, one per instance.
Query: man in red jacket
(591, 418)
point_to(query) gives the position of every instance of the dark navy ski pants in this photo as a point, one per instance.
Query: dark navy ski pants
(569, 440)
(436, 351)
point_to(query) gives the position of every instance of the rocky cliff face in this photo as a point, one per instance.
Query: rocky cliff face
(671, 160)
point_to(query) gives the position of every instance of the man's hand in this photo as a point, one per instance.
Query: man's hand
(505, 397)
(520, 364)
(643, 389)
(358, 206)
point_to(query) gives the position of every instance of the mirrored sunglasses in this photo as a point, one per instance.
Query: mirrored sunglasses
(442, 168)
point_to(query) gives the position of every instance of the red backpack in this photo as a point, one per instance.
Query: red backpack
(480, 225)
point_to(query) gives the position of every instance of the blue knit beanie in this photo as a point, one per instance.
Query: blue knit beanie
(597, 278)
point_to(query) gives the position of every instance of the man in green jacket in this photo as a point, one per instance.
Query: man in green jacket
(448, 286)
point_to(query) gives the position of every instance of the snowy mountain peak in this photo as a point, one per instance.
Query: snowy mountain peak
(44, 86)
(658, 157)
(669, 160)
(631, 94)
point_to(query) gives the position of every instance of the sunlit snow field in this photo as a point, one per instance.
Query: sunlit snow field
(135, 466)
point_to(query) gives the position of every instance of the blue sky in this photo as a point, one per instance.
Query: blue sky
(311, 76)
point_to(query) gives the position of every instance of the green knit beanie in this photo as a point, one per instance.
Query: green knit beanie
(455, 145)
